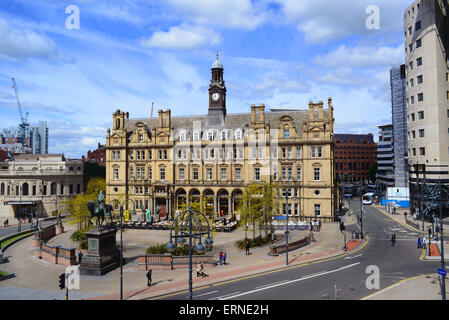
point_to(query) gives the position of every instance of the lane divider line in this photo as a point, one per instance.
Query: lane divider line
(291, 281)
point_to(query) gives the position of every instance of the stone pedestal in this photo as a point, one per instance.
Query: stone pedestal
(102, 253)
(59, 228)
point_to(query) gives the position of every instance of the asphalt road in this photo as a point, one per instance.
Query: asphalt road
(342, 278)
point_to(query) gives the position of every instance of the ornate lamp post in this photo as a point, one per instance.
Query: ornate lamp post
(286, 192)
(191, 215)
(121, 240)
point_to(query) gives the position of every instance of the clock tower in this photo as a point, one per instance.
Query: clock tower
(217, 95)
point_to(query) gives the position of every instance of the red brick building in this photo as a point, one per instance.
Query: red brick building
(97, 156)
(354, 155)
(3, 155)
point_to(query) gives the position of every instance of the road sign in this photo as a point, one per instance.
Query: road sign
(442, 272)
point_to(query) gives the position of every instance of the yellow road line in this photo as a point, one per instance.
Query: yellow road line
(402, 223)
(395, 284)
(270, 272)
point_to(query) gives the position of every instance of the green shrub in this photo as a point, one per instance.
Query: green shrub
(161, 249)
(81, 238)
(256, 242)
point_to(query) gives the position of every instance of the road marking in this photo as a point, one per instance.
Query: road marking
(354, 256)
(225, 296)
(288, 282)
(204, 294)
(364, 243)
(266, 285)
(393, 285)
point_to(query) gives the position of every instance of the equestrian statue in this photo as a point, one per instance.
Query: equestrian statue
(99, 209)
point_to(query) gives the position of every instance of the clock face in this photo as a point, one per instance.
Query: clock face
(215, 96)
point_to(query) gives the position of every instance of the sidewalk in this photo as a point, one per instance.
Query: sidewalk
(32, 273)
(426, 287)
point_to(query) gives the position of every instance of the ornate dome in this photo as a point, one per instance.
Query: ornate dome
(217, 64)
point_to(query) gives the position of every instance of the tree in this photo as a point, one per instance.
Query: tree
(77, 207)
(251, 207)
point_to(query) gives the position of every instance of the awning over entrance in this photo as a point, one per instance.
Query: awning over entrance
(21, 202)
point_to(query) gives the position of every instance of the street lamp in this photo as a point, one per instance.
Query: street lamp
(182, 234)
(121, 241)
(361, 212)
(286, 221)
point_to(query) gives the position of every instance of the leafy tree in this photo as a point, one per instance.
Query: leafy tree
(251, 207)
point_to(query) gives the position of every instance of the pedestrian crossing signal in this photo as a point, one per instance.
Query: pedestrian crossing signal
(62, 281)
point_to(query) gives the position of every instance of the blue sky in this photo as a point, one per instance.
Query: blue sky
(127, 54)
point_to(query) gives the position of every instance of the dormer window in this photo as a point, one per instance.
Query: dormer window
(140, 137)
(196, 135)
(210, 135)
(224, 135)
(183, 136)
(238, 134)
(286, 133)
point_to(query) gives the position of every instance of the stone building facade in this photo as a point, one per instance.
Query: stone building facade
(38, 184)
(166, 161)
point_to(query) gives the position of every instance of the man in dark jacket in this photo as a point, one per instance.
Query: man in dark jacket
(247, 247)
(149, 280)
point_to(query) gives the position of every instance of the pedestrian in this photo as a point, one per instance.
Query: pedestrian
(80, 257)
(149, 280)
(393, 239)
(247, 247)
(200, 271)
(353, 235)
(7, 222)
(424, 242)
(311, 225)
(419, 242)
(319, 225)
(429, 229)
(220, 255)
(224, 258)
(405, 215)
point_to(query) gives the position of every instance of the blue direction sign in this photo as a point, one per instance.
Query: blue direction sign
(280, 218)
(442, 272)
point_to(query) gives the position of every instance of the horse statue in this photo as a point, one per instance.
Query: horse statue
(99, 209)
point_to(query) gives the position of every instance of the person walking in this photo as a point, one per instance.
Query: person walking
(429, 230)
(319, 225)
(220, 255)
(247, 248)
(419, 242)
(393, 239)
(149, 279)
(353, 235)
(80, 257)
(224, 258)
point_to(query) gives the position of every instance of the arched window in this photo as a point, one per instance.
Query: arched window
(25, 189)
(53, 188)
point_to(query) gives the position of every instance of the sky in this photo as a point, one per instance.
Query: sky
(129, 54)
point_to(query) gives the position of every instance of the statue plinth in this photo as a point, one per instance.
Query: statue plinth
(102, 253)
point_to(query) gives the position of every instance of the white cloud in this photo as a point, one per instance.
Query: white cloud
(361, 57)
(324, 20)
(18, 44)
(234, 14)
(183, 37)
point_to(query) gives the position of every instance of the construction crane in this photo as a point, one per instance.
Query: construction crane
(24, 119)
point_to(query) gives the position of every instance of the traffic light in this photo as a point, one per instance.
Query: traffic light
(62, 281)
